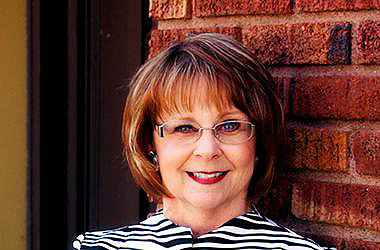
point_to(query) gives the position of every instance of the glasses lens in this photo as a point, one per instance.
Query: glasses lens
(181, 131)
(232, 132)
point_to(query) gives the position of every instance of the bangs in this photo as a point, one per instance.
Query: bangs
(179, 92)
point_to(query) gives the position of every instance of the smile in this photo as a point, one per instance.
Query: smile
(207, 178)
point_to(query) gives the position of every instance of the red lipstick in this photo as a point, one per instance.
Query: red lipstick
(207, 178)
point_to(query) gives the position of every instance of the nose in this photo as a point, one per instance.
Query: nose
(207, 145)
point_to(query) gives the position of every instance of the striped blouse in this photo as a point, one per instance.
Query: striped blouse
(248, 231)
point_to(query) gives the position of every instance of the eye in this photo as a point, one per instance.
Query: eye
(185, 129)
(228, 127)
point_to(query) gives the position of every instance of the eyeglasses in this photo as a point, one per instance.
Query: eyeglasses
(185, 132)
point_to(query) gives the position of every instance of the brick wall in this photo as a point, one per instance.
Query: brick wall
(325, 56)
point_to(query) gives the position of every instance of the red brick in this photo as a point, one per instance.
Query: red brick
(161, 39)
(343, 204)
(346, 97)
(308, 43)
(326, 240)
(204, 8)
(283, 91)
(369, 42)
(341, 243)
(362, 245)
(336, 5)
(366, 150)
(170, 9)
(318, 149)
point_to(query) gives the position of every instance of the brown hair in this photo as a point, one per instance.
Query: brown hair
(233, 77)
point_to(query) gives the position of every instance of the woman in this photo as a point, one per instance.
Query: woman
(203, 130)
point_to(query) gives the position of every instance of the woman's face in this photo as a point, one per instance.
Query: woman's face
(191, 171)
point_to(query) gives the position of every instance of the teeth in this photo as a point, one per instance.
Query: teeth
(207, 176)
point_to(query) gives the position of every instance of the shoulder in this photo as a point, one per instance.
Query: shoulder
(107, 239)
(115, 238)
(253, 224)
(254, 230)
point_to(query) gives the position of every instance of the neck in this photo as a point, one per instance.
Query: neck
(202, 220)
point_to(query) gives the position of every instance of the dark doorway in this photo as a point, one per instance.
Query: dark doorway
(81, 55)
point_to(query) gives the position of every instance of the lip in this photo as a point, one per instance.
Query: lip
(207, 178)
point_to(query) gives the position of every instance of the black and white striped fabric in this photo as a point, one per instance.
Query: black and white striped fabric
(248, 231)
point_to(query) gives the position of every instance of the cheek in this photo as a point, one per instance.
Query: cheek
(243, 157)
(160, 146)
(247, 162)
(169, 155)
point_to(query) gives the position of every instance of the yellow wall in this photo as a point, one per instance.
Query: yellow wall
(13, 125)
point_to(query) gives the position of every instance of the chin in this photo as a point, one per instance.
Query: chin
(207, 201)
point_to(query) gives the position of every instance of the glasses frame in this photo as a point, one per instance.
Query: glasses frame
(160, 130)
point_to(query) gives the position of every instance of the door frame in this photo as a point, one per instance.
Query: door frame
(65, 68)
